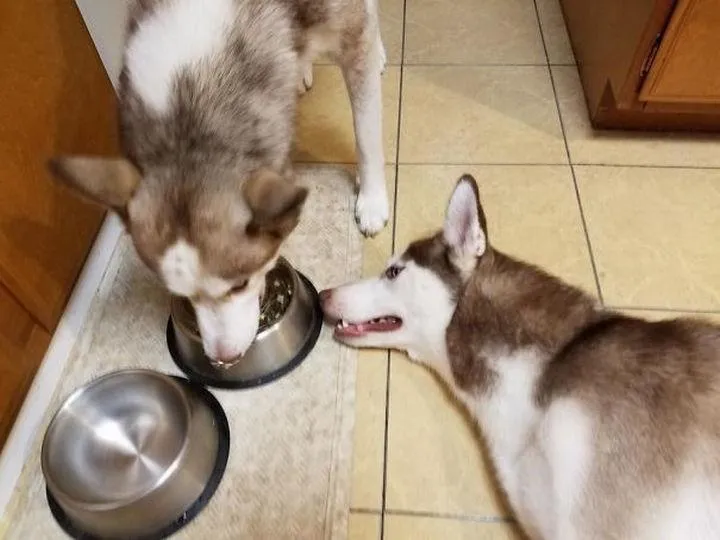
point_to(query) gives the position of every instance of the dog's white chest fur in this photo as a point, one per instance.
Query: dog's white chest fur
(541, 457)
(177, 35)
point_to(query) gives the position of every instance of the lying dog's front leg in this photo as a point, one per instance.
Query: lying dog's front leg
(362, 67)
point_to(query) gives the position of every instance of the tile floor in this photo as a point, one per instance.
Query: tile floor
(633, 218)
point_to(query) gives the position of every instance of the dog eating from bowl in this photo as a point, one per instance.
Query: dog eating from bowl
(207, 106)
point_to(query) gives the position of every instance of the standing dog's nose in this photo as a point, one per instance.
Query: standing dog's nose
(325, 295)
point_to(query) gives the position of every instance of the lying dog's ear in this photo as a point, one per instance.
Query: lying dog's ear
(106, 181)
(465, 229)
(275, 202)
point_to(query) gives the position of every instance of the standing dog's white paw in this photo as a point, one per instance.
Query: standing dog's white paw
(305, 81)
(383, 56)
(372, 211)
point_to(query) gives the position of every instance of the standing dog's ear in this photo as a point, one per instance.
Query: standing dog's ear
(275, 202)
(465, 229)
(109, 182)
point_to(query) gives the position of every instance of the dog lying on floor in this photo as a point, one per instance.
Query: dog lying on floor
(599, 426)
(208, 99)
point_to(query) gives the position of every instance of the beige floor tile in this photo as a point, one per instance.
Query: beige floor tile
(399, 527)
(325, 125)
(496, 32)
(391, 28)
(369, 437)
(377, 250)
(588, 146)
(654, 235)
(363, 527)
(555, 32)
(480, 115)
(435, 459)
(532, 213)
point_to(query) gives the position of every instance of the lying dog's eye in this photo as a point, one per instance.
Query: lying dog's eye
(238, 288)
(393, 271)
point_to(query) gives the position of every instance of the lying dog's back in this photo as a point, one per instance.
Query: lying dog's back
(650, 395)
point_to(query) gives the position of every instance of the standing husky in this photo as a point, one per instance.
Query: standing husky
(208, 97)
(600, 426)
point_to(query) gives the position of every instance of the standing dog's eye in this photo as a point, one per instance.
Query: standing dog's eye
(393, 271)
(240, 287)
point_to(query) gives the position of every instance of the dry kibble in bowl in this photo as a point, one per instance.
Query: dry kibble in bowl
(278, 293)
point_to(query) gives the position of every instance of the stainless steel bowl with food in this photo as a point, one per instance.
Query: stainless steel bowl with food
(289, 326)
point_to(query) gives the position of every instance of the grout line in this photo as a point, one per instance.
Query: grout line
(483, 65)
(368, 511)
(444, 515)
(662, 309)
(636, 166)
(383, 501)
(460, 65)
(508, 164)
(569, 158)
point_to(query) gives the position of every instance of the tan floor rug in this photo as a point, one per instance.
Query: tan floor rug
(288, 474)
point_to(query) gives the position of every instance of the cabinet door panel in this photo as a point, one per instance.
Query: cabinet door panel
(687, 67)
(54, 98)
(22, 346)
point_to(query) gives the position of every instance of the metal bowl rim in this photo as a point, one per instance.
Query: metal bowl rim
(60, 495)
(187, 332)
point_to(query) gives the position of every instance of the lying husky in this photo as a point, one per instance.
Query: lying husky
(207, 104)
(600, 426)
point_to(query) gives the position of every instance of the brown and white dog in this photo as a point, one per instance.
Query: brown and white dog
(599, 426)
(207, 103)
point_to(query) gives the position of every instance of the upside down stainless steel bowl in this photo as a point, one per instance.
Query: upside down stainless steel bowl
(129, 453)
(290, 323)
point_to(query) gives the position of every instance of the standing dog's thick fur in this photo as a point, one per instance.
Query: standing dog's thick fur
(207, 103)
(600, 426)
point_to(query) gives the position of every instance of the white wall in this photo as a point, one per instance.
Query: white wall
(106, 20)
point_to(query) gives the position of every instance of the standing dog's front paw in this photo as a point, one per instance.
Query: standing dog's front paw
(383, 56)
(372, 211)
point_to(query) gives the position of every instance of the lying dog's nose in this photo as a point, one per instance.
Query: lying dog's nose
(325, 295)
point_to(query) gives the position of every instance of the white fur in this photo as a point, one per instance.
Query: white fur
(462, 226)
(227, 323)
(180, 269)
(179, 34)
(228, 328)
(371, 209)
(424, 317)
(689, 508)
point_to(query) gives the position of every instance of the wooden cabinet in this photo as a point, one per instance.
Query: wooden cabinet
(22, 345)
(650, 64)
(55, 98)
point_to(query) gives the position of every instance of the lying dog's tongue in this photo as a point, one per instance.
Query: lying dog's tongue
(382, 324)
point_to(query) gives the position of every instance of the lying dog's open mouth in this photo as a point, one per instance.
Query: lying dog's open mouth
(388, 323)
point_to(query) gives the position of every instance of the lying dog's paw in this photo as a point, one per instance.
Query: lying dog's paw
(372, 211)
(306, 79)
